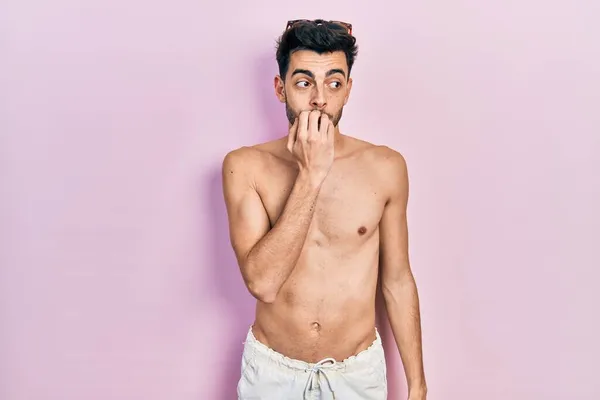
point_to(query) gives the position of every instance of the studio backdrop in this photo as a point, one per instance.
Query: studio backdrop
(117, 276)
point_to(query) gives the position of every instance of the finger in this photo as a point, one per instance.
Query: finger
(313, 124)
(302, 132)
(330, 132)
(292, 135)
(324, 126)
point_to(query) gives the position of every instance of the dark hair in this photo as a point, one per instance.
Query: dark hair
(319, 36)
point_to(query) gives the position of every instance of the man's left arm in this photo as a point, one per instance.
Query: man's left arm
(398, 284)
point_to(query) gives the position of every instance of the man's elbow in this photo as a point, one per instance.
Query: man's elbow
(394, 287)
(262, 291)
(260, 287)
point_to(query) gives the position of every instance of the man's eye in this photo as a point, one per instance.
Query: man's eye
(335, 85)
(302, 84)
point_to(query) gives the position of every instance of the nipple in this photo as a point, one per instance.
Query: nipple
(362, 230)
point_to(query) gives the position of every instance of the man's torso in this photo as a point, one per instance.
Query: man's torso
(326, 308)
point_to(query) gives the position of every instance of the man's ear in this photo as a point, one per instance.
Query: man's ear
(279, 86)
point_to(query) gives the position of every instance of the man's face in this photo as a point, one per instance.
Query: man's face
(315, 82)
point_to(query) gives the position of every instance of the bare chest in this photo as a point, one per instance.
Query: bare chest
(348, 208)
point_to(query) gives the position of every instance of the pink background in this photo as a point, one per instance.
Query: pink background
(117, 278)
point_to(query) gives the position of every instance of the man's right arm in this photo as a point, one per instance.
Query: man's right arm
(266, 256)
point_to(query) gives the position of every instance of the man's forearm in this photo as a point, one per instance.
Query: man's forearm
(272, 259)
(402, 305)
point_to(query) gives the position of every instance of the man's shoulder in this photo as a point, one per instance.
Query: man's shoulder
(386, 166)
(380, 156)
(389, 158)
(250, 157)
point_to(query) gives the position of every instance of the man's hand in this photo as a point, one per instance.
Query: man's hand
(310, 140)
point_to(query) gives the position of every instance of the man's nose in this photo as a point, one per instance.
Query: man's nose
(318, 101)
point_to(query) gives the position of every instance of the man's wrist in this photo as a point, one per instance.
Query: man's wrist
(417, 390)
(310, 180)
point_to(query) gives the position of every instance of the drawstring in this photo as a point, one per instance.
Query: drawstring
(319, 367)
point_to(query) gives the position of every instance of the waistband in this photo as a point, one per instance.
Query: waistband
(374, 350)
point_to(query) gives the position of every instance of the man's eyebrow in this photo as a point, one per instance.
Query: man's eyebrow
(303, 71)
(310, 74)
(336, 71)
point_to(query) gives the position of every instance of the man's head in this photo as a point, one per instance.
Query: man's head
(315, 59)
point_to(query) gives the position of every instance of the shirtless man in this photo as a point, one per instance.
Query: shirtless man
(315, 218)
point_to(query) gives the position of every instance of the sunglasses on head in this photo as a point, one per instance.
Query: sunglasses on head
(296, 22)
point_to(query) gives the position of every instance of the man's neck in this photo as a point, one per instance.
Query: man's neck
(338, 140)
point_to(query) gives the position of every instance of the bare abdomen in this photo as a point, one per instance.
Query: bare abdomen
(315, 319)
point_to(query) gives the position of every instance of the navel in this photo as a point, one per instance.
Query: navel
(362, 230)
(316, 326)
